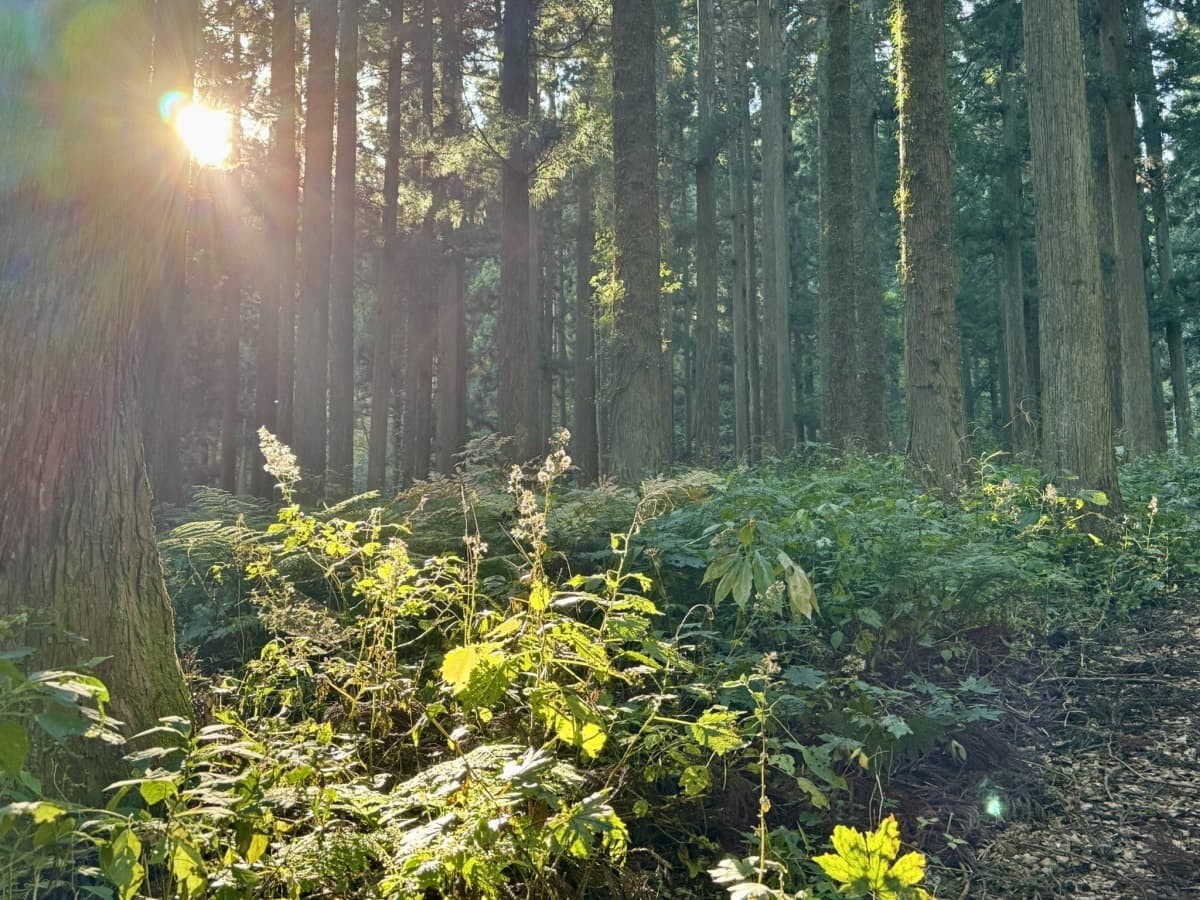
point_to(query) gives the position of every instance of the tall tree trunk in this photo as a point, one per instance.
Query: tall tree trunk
(1104, 209)
(519, 321)
(754, 317)
(1076, 410)
(777, 369)
(735, 73)
(452, 307)
(316, 234)
(387, 298)
(706, 432)
(637, 439)
(341, 318)
(1137, 405)
(421, 331)
(231, 423)
(868, 273)
(928, 257)
(1156, 175)
(273, 391)
(231, 228)
(585, 447)
(1019, 415)
(838, 330)
(176, 31)
(81, 264)
(284, 178)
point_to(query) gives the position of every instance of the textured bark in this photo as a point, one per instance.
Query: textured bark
(341, 313)
(1137, 404)
(387, 272)
(518, 326)
(637, 442)
(928, 257)
(838, 330)
(868, 272)
(753, 318)
(452, 307)
(585, 439)
(1104, 221)
(176, 28)
(284, 209)
(1146, 90)
(316, 237)
(739, 288)
(778, 429)
(231, 232)
(706, 434)
(421, 330)
(1021, 402)
(279, 223)
(78, 266)
(1076, 410)
(231, 327)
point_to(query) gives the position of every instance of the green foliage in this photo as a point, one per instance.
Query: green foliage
(414, 719)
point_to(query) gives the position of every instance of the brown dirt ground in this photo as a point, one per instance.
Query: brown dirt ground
(1095, 765)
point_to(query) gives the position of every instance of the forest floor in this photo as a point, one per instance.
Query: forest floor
(1094, 772)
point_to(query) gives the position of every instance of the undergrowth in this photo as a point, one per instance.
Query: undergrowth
(498, 684)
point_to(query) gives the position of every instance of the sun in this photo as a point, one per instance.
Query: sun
(207, 132)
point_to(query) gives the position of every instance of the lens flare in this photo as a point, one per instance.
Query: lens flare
(994, 806)
(207, 133)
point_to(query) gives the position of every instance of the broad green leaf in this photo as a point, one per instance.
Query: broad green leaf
(695, 780)
(744, 584)
(817, 796)
(458, 666)
(802, 599)
(717, 730)
(156, 790)
(120, 861)
(909, 869)
(14, 747)
(836, 867)
(187, 867)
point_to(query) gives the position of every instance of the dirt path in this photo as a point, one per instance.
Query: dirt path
(1098, 784)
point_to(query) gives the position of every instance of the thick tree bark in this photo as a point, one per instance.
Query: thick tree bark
(1021, 403)
(176, 29)
(868, 271)
(585, 445)
(387, 298)
(421, 331)
(928, 257)
(341, 316)
(706, 433)
(1146, 90)
(452, 307)
(778, 427)
(519, 322)
(1137, 404)
(272, 390)
(735, 74)
(284, 180)
(231, 326)
(753, 282)
(637, 442)
(1076, 409)
(838, 336)
(78, 265)
(316, 235)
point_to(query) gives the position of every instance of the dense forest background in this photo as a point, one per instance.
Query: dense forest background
(598, 448)
(462, 274)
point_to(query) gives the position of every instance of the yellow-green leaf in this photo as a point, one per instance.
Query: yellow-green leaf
(458, 666)
(909, 869)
